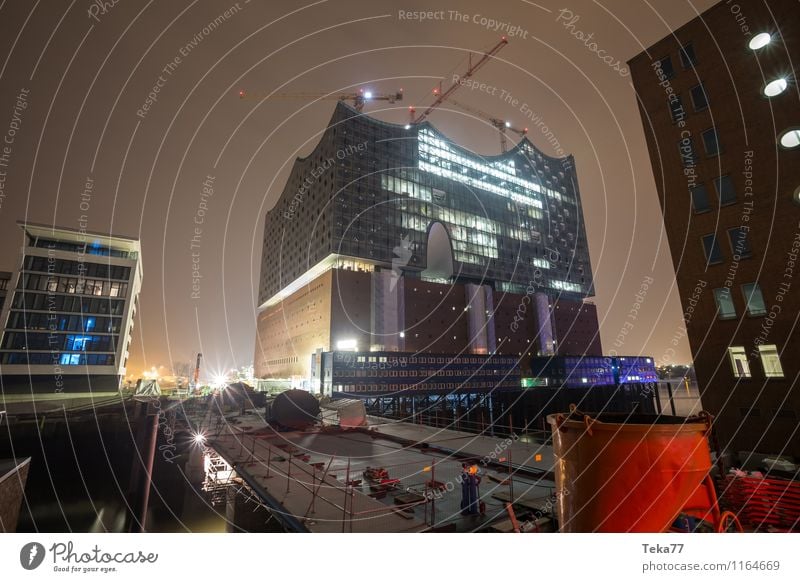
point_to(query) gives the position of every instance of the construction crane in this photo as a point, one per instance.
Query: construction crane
(442, 96)
(500, 124)
(358, 99)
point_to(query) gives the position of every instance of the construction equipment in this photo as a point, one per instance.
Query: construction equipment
(358, 99)
(196, 378)
(500, 125)
(632, 472)
(442, 96)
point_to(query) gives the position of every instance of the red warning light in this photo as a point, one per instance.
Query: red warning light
(241, 93)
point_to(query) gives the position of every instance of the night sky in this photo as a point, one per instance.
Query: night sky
(86, 69)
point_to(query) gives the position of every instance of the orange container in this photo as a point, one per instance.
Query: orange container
(631, 472)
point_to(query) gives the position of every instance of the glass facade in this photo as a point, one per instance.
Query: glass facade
(372, 190)
(68, 304)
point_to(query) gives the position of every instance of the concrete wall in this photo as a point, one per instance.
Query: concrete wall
(12, 488)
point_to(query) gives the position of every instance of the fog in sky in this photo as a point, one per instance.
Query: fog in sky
(142, 98)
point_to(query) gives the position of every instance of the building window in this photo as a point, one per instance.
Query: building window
(770, 361)
(699, 97)
(686, 150)
(712, 250)
(739, 364)
(676, 108)
(700, 198)
(666, 67)
(740, 244)
(725, 190)
(725, 306)
(687, 56)
(754, 299)
(711, 141)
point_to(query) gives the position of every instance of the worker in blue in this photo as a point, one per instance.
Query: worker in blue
(470, 494)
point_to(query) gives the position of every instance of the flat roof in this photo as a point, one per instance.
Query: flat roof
(124, 243)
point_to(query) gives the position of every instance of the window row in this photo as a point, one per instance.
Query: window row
(753, 299)
(82, 248)
(421, 386)
(767, 353)
(739, 241)
(84, 269)
(430, 373)
(687, 151)
(74, 285)
(61, 322)
(55, 358)
(44, 302)
(19, 340)
(726, 193)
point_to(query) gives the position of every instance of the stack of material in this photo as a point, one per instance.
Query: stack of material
(762, 503)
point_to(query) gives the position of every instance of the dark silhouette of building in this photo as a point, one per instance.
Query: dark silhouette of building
(719, 103)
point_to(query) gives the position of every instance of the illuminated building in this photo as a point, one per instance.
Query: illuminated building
(392, 238)
(68, 317)
(719, 104)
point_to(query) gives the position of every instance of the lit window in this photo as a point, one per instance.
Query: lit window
(712, 250)
(688, 59)
(700, 198)
(775, 87)
(770, 361)
(725, 190)
(790, 139)
(754, 299)
(760, 41)
(725, 306)
(711, 141)
(739, 364)
(740, 244)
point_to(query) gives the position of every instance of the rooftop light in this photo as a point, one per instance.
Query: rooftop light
(775, 87)
(760, 41)
(790, 139)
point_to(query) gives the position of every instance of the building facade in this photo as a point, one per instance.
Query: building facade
(5, 277)
(68, 318)
(719, 103)
(392, 238)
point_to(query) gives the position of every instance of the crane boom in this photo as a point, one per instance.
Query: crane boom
(358, 99)
(473, 68)
(499, 124)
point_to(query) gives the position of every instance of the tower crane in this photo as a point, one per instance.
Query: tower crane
(358, 99)
(442, 96)
(500, 124)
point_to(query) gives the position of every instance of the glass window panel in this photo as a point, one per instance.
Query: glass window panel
(739, 364)
(770, 361)
(754, 299)
(724, 301)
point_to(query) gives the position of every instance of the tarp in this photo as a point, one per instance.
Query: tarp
(146, 387)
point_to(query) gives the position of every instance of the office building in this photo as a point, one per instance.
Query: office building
(68, 318)
(719, 103)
